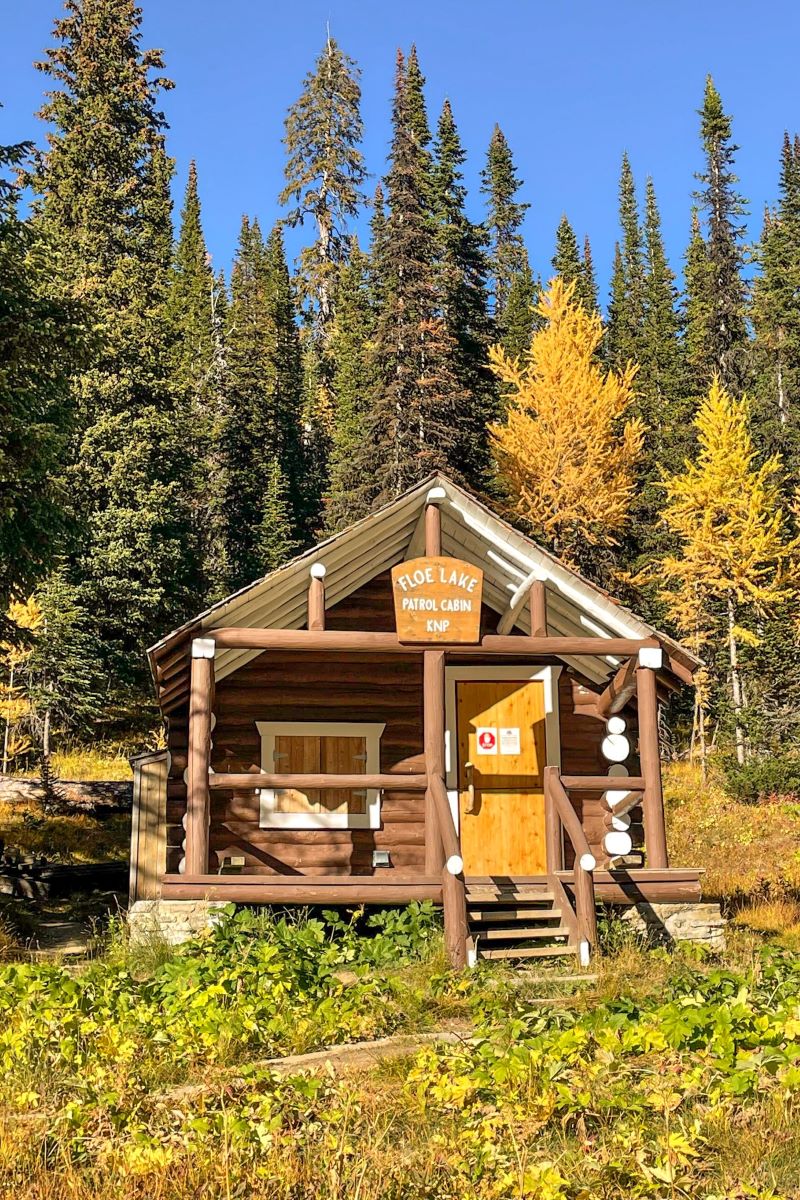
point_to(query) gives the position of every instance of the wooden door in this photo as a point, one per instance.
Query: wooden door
(501, 732)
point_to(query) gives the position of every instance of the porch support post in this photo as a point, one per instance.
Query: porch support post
(433, 734)
(433, 698)
(316, 597)
(433, 522)
(538, 601)
(655, 835)
(553, 840)
(198, 803)
(455, 919)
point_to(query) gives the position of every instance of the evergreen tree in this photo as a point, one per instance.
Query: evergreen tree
(412, 424)
(191, 298)
(521, 318)
(662, 402)
(504, 216)
(103, 202)
(263, 392)
(567, 448)
(627, 306)
(587, 283)
(569, 266)
(325, 173)
(566, 261)
(719, 342)
(39, 342)
(462, 297)
(347, 498)
(776, 318)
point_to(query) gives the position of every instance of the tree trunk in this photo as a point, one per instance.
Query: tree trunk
(736, 683)
(7, 733)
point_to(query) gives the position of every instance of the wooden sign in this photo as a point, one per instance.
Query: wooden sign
(437, 600)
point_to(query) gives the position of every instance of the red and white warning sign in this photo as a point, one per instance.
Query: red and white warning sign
(486, 739)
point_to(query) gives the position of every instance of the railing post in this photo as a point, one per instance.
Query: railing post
(655, 835)
(198, 796)
(316, 597)
(454, 903)
(552, 823)
(585, 906)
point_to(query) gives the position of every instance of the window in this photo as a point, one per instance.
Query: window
(320, 748)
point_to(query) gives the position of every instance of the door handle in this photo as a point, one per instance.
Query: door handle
(470, 770)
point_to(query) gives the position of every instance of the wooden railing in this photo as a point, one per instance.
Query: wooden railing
(560, 815)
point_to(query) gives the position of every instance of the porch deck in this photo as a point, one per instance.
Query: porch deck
(664, 885)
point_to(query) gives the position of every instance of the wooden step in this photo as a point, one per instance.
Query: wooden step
(489, 895)
(526, 951)
(515, 914)
(521, 935)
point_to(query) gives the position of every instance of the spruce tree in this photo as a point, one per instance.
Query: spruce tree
(40, 336)
(347, 498)
(259, 439)
(325, 173)
(720, 343)
(103, 202)
(569, 266)
(521, 317)
(776, 318)
(504, 216)
(587, 284)
(412, 424)
(461, 269)
(626, 309)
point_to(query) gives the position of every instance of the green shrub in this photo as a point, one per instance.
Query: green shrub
(763, 778)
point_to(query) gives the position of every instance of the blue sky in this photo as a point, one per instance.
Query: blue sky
(572, 83)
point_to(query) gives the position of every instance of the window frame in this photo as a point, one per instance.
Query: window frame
(370, 731)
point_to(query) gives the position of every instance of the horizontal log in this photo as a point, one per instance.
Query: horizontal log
(649, 885)
(388, 643)
(253, 780)
(301, 893)
(603, 783)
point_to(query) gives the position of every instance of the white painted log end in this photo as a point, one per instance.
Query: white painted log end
(615, 747)
(616, 725)
(588, 862)
(436, 495)
(318, 570)
(617, 843)
(455, 864)
(203, 647)
(651, 656)
(621, 824)
(584, 953)
(182, 867)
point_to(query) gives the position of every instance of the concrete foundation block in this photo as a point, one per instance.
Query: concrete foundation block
(175, 921)
(687, 922)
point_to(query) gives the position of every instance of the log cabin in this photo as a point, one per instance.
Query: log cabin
(426, 706)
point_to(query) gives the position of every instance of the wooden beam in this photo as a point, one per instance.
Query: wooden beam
(538, 602)
(554, 845)
(232, 638)
(251, 781)
(517, 601)
(275, 889)
(198, 801)
(655, 835)
(603, 783)
(619, 690)
(433, 719)
(316, 597)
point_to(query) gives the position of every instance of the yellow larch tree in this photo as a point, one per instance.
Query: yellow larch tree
(14, 704)
(738, 559)
(564, 449)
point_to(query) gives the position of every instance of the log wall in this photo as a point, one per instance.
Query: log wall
(363, 687)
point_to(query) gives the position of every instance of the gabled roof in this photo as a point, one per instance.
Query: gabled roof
(395, 532)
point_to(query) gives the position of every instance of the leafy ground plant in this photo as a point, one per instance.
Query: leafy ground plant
(675, 1077)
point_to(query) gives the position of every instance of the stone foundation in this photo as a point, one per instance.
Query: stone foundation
(668, 923)
(175, 921)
